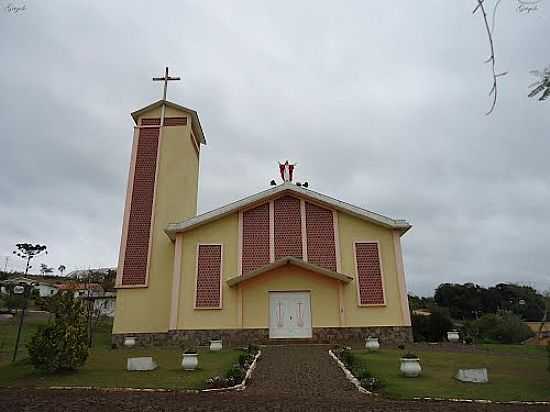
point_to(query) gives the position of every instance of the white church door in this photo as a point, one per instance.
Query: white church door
(290, 315)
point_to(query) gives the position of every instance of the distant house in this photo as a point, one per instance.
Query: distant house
(44, 288)
(83, 290)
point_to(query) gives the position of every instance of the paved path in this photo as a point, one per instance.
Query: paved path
(300, 378)
(300, 372)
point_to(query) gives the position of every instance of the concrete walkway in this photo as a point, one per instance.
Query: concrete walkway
(300, 372)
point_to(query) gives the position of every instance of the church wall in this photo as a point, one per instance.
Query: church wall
(148, 309)
(352, 229)
(224, 231)
(324, 296)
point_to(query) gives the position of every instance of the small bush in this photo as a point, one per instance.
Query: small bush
(348, 358)
(504, 327)
(371, 383)
(15, 302)
(235, 374)
(61, 345)
(253, 349)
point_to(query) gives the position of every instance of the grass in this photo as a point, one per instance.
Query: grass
(106, 367)
(520, 375)
(8, 333)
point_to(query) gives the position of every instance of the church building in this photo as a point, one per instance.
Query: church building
(284, 264)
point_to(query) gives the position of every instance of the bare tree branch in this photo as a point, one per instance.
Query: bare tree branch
(491, 59)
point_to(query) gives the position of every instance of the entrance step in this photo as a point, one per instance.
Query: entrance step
(293, 341)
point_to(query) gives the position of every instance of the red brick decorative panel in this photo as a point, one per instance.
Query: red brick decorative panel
(321, 246)
(150, 122)
(369, 274)
(209, 265)
(255, 241)
(139, 223)
(288, 227)
(175, 121)
(168, 121)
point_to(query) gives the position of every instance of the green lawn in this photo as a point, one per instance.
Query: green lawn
(521, 376)
(8, 332)
(106, 367)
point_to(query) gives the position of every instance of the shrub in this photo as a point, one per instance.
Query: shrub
(253, 349)
(61, 345)
(15, 302)
(432, 328)
(235, 375)
(371, 383)
(348, 358)
(504, 327)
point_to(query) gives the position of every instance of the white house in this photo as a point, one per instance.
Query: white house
(44, 288)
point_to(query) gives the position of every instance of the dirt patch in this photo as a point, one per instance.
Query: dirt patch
(30, 400)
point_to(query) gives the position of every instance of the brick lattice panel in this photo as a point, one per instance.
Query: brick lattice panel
(141, 207)
(175, 121)
(369, 274)
(208, 276)
(288, 227)
(255, 252)
(321, 246)
(168, 121)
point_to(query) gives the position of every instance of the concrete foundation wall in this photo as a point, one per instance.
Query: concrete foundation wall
(388, 335)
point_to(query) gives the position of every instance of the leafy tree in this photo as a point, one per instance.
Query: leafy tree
(468, 301)
(463, 301)
(420, 302)
(44, 269)
(61, 269)
(431, 328)
(62, 344)
(28, 251)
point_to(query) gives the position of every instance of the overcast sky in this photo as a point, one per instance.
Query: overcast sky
(381, 104)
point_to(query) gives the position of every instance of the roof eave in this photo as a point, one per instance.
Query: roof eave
(249, 201)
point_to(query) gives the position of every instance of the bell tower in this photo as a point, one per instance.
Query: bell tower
(162, 188)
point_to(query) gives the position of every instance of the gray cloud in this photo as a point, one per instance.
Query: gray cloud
(380, 104)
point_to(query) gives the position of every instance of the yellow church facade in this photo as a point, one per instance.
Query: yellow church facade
(287, 263)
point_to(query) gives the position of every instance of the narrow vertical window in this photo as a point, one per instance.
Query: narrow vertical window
(209, 272)
(369, 273)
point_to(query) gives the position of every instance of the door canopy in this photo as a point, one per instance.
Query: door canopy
(236, 280)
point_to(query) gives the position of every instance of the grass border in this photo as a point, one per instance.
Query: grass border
(240, 387)
(349, 375)
(356, 383)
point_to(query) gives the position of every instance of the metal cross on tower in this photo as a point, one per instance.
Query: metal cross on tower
(165, 79)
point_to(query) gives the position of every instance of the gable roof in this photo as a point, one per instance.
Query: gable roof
(289, 260)
(279, 190)
(193, 113)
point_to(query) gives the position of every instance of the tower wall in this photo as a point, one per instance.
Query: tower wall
(154, 199)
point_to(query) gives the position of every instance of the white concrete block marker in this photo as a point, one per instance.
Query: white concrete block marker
(472, 375)
(142, 364)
